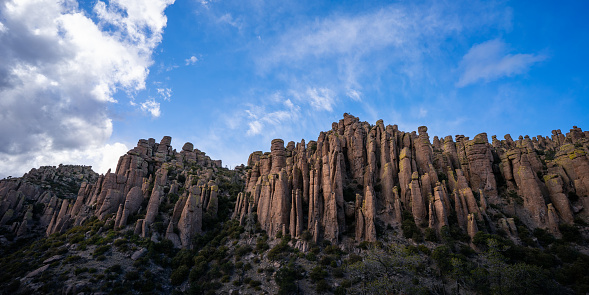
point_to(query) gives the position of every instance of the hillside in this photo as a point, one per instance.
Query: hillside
(362, 209)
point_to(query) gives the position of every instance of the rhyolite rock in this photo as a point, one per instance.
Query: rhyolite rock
(368, 175)
(354, 181)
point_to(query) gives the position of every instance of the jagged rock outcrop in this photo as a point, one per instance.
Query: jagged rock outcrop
(354, 183)
(359, 177)
(41, 193)
(150, 177)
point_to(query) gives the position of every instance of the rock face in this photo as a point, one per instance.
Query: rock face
(150, 177)
(355, 182)
(47, 193)
(357, 178)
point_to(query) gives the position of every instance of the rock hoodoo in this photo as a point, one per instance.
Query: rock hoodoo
(352, 184)
(150, 177)
(357, 179)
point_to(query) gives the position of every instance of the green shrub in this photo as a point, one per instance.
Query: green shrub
(353, 258)
(333, 250)
(423, 249)
(430, 235)
(322, 286)
(286, 278)
(100, 250)
(227, 267)
(278, 250)
(115, 268)
(306, 236)
(317, 274)
(183, 257)
(262, 245)
(198, 270)
(410, 229)
(80, 270)
(480, 238)
(71, 259)
(326, 260)
(241, 251)
(441, 255)
(179, 275)
(77, 238)
(132, 276)
(340, 290)
(570, 233)
(544, 238)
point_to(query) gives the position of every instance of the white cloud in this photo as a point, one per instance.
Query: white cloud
(107, 156)
(227, 18)
(289, 104)
(255, 127)
(351, 52)
(205, 3)
(278, 111)
(400, 27)
(152, 107)
(321, 99)
(346, 52)
(354, 94)
(490, 61)
(59, 70)
(190, 61)
(165, 93)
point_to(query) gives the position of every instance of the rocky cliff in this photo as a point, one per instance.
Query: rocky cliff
(356, 180)
(28, 203)
(150, 177)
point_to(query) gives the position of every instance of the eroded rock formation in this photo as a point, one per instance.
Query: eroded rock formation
(353, 184)
(357, 178)
(150, 177)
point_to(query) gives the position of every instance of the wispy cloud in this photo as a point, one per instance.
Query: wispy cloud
(165, 93)
(404, 28)
(259, 117)
(354, 94)
(347, 53)
(152, 107)
(255, 127)
(191, 60)
(490, 61)
(227, 18)
(321, 99)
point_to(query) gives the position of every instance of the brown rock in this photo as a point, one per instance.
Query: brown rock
(278, 156)
(405, 175)
(558, 198)
(553, 222)
(472, 228)
(190, 222)
(112, 200)
(480, 160)
(417, 203)
(152, 210)
(132, 203)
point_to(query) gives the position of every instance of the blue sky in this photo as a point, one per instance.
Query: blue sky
(82, 82)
